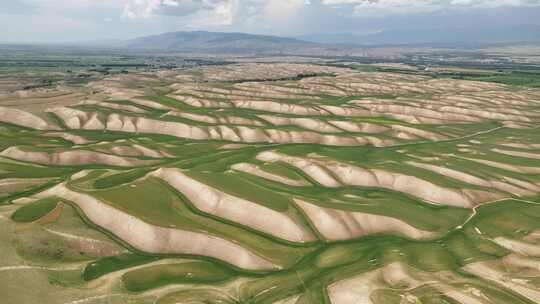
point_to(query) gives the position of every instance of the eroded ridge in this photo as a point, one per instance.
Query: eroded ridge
(272, 183)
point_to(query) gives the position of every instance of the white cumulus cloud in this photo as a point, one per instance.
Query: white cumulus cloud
(379, 8)
(146, 8)
(266, 13)
(219, 13)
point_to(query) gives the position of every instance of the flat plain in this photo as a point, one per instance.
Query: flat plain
(270, 182)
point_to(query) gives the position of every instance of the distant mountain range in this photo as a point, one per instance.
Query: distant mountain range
(216, 42)
(457, 36)
(242, 43)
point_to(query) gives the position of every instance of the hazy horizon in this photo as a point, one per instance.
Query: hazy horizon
(61, 21)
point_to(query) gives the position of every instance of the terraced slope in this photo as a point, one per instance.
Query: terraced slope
(278, 183)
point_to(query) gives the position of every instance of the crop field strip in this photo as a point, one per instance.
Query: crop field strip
(274, 183)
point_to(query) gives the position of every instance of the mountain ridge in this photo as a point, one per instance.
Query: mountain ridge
(220, 42)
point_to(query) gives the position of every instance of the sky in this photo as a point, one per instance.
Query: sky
(96, 20)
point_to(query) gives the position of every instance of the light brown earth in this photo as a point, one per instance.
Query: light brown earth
(336, 225)
(72, 158)
(154, 239)
(334, 174)
(236, 209)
